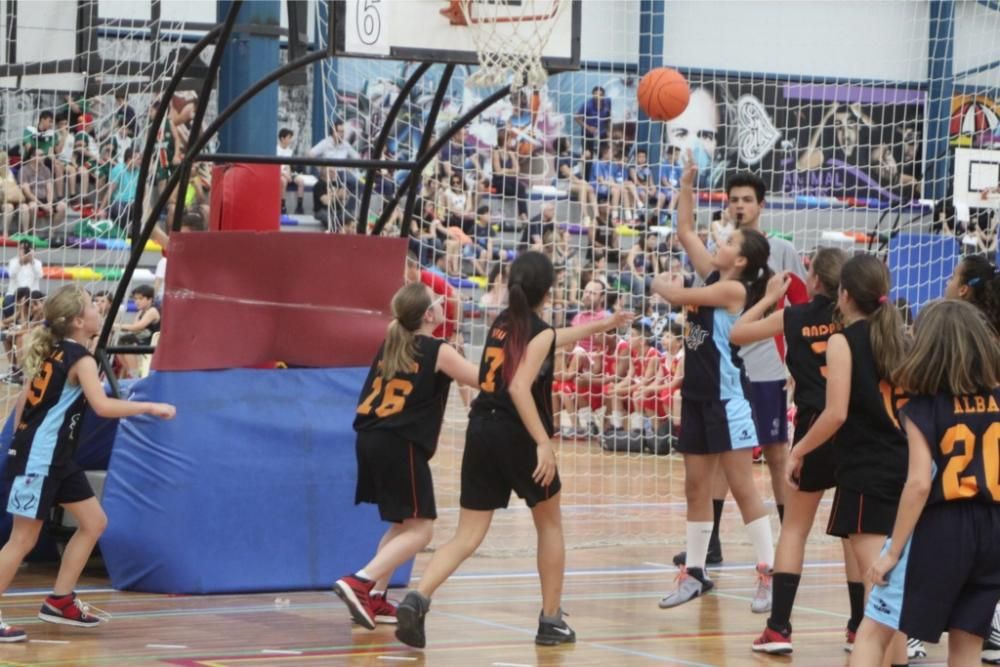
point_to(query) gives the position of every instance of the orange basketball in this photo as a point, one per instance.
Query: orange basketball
(663, 93)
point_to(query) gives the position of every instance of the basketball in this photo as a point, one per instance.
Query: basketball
(663, 93)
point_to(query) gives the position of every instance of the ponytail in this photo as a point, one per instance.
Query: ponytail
(38, 345)
(61, 309)
(518, 330)
(983, 281)
(756, 250)
(885, 332)
(757, 286)
(531, 278)
(399, 352)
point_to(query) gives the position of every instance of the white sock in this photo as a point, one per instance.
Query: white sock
(760, 536)
(361, 574)
(635, 422)
(565, 419)
(698, 535)
(617, 419)
(583, 415)
(375, 592)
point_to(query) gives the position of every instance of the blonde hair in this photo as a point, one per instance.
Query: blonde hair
(866, 280)
(65, 304)
(408, 307)
(954, 351)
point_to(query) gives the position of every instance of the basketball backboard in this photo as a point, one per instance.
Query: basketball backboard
(977, 178)
(417, 30)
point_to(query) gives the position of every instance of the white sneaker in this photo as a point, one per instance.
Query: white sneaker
(915, 649)
(761, 603)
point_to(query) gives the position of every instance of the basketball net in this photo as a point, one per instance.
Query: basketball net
(513, 52)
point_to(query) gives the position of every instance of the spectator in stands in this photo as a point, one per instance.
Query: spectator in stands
(980, 236)
(105, 161)
(604, 180)
(120, 193)
(13, 198)
(36, 183)
(641, 266)
(506, 173)
(336, 147)
(594, 118)
(125, 114)
(122, 141)
(23, 271)
(532, 235)
(640, 178)
(41, 138)
(10, 329)
(455, 158)
(457, 202)
(944, 219)
(569, 178)
(427, 234)
(323, 205)
(439, 285)
(669, 181)
(102, 301)
(140, 331)
(288, 175)
(83, 162)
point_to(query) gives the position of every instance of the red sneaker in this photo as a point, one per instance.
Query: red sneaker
(385, 611)
(773, 642)
(67, 610)
(356, 594)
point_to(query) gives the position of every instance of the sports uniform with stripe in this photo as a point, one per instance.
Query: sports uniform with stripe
(715, 411)
(398, 422)
(872, 455)
(948, 574)
(807, 328)
(40, 462)
(500, 455)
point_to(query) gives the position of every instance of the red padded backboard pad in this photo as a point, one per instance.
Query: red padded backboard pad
(245, 197)
(239, 299)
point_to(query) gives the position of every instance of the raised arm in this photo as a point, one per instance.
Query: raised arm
(701, 259)
(457, 367)
(569, 335)
(750, 328)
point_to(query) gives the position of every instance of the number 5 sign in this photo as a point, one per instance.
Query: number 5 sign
(366, 29)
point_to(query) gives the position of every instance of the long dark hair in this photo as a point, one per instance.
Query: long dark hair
(866, 280)
(755, 250)
(531, 278)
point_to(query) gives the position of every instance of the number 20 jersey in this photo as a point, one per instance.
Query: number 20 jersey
(411, 404)
(45, 438)
(963, 433)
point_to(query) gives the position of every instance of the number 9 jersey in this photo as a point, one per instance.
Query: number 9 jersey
(964, 436)
(410, 404)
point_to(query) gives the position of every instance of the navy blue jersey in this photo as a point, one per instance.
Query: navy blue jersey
(493, 395)
(45, 439)
(963, 433)
(410, 404)
(808, 326)
(713, 369)
(873, 454)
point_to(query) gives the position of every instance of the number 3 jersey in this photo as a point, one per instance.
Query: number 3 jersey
(45, 438)
(409, 404)
(964, 436)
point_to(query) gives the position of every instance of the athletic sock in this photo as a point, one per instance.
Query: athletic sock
(760, 536)
(717, 506)
(698, 535)
(361, 574)
(786, 585)
(856, 592)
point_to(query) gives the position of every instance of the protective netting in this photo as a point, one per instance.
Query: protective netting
(850, 112)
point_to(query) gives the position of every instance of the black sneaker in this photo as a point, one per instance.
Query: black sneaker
(554, 633)
(713, 557)
(410, 619)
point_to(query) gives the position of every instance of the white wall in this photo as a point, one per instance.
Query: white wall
(846, 38)
(609, 31)
(977, 42)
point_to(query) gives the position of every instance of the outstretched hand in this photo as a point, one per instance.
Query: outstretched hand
(690, 170)
(620, 319)
(777, 286)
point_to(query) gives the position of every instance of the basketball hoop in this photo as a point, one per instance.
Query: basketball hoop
(509, 36)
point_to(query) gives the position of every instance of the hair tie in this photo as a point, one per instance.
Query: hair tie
(882, 300)
(46, 324)
(975, 281)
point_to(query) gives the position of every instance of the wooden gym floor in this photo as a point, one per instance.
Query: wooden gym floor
(624, 519)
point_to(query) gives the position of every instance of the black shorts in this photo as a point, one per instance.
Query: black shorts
(394, 474)
(33, 496)
(770, 411)
(948, 575)
(716, 427)
(500, 457)
(819, 467)
(855, 513)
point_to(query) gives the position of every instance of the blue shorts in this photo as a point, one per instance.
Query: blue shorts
(770, 411)
(716, 427)
(948, 576)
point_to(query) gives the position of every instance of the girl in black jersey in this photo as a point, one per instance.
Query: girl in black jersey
(805, 328)
(398, 420)
(977, 281)
(940, 571)
(861, 410)
(508, 447)
(60, 380)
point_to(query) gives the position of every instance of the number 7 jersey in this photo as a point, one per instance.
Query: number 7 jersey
(410, 404)
(964, 436)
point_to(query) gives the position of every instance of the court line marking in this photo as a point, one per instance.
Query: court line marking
(48, 641)
(279, 651)
(398, 658)
(167, 646)
(510, 664)
(45, 591)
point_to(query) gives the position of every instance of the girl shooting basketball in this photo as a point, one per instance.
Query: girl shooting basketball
(717, 426)
(940, 571)
(60, 380)
(398, 420)
(508, 448)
